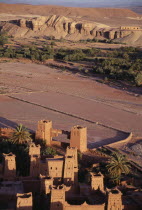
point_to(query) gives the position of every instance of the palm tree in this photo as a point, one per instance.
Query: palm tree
(21, 135)
(117, 166)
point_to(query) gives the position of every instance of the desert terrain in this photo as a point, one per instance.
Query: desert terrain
(31, 92)
(62, 67)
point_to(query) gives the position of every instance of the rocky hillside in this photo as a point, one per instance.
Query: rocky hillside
(70, 23)
(62, 27)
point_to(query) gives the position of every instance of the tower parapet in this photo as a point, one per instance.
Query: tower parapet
(34, 149)
(97, 181)
(114, 200)
(24, 201)
(9, 166)
(57, 198)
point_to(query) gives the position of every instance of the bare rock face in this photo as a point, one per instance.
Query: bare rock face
(86, 28)
(22, 23)
(111, 34)
(37, 23)
(125, 33)
(62, 27)
(72, 27)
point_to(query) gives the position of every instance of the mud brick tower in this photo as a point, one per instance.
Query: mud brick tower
(114, 200)
(71, 166)
(55, 168)
(69, 171)
(46, 184)
(79, 138)
(44, 131)
(9, 167)
(34, 149)
(57, 198)
(24, 201)
(97, 181)
(34, 153)
(72, 151)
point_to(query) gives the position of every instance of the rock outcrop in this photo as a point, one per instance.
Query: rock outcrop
(63, 27)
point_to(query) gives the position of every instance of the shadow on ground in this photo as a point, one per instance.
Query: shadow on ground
(5, 123)
(118, 137)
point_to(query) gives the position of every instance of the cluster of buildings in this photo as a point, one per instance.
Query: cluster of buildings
(55, 178)
(53, 182)
(77, 136)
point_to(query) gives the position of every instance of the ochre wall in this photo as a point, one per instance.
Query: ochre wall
(124, 141)
(130, 28)
(84, 206)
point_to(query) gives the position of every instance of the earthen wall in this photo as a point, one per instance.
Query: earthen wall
(6, 132)
(24, 201)
(79, 138)
(9, 166)
(130, 28)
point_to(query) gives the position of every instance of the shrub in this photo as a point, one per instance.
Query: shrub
(138, 79)
(48, 151)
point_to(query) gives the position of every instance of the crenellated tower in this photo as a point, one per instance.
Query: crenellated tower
(114, 200)
(34, 153)
(78, 138)
(9, 166)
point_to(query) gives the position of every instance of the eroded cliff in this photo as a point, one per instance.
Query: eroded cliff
(63, 27)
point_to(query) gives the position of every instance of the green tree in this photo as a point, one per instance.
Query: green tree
(117, 166)
(21, 135)
(48, 151)
(3, 38)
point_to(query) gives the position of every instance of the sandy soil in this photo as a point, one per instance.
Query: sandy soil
(66, 11)
(110, 16)
(34, 92)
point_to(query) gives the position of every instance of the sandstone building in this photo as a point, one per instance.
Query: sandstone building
(79, 138)
(130, 28)
(78, 135)
(53, 181)
(57, 176)
(9, 166)
(45, 131)
(24, 201)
